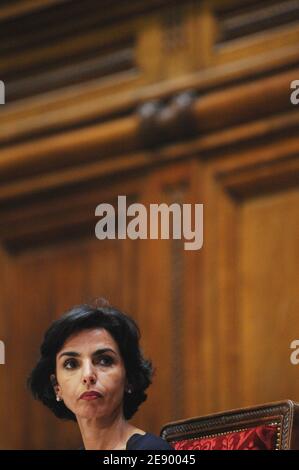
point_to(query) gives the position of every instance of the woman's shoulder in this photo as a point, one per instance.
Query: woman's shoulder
(147, 441)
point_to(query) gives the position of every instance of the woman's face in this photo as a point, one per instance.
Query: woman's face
(90, 361)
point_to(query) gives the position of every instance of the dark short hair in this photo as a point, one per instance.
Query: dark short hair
(124, 331)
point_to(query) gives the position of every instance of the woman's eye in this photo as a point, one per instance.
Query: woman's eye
(104, 361)
(70, 364)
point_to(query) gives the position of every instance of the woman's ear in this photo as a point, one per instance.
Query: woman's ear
(55, 384)
(128, 387)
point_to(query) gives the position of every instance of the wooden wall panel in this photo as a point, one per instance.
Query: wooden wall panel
(251, 275)
(269, 279)
(9, 427)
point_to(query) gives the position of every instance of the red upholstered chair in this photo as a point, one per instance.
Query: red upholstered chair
(273, 426)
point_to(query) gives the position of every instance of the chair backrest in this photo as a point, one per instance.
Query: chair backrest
(273, 426)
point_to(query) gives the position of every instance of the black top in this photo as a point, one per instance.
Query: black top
(147, 441)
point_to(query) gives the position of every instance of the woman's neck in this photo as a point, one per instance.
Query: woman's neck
(98, 434)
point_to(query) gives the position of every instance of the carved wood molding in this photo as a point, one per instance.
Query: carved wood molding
(80, 105)
(271, 170)
(269, 167)
(42, 50)
(78, 144)
(161, 123)
(243, 20)
(99, 149)
(15, 8)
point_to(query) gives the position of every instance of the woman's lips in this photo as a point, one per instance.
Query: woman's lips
(90, 395)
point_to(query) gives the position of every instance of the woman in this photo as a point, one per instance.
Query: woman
(92, 371)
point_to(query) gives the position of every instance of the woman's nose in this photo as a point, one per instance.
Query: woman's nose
(89, 376)
(89, 380)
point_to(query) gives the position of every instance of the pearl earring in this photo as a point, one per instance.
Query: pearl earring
(58, 398)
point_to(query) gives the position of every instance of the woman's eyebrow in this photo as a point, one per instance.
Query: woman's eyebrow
(102, 351)
(69, 353)
(96, 353)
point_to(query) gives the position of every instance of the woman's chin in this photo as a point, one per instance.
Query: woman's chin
(89, 412)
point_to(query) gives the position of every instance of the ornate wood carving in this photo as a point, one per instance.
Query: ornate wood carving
(161, 123)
